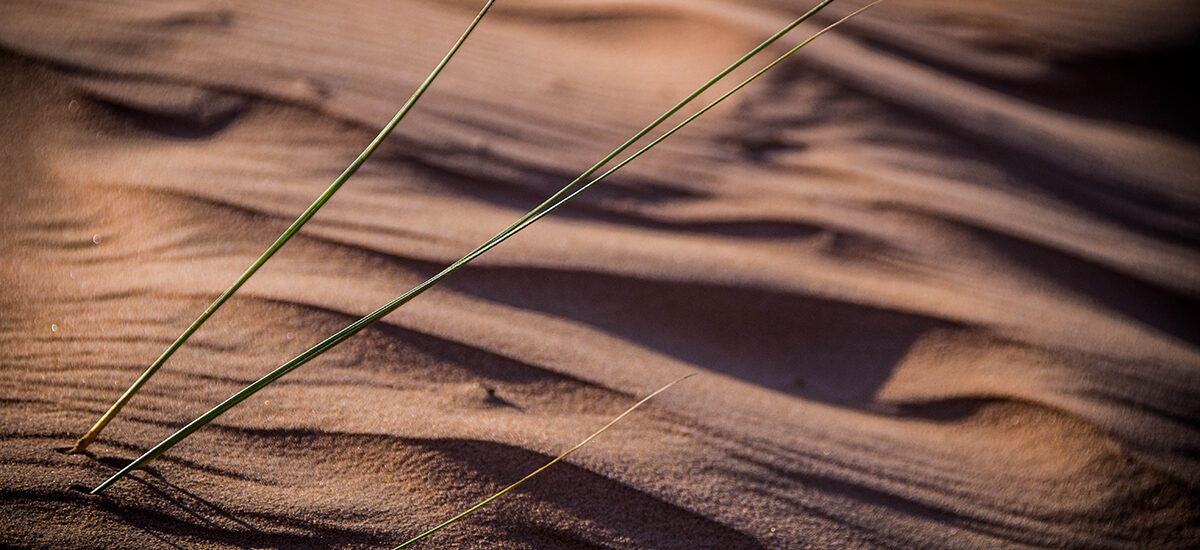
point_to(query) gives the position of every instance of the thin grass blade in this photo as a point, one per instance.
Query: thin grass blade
(94, 432)
(352, 329)
(577, 446)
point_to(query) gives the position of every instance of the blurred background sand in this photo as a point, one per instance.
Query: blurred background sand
(939, 274)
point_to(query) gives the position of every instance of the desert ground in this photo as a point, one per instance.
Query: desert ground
(938, 275)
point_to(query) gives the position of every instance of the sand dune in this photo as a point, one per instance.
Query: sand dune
(939, 275)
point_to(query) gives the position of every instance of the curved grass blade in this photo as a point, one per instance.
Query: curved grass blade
(354, 328)
(501, 493)
(91, 435)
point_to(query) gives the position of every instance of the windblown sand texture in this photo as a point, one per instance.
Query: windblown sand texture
(939, 274)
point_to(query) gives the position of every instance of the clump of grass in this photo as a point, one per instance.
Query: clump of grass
(562, 196)
(94, 432)
(557, 199)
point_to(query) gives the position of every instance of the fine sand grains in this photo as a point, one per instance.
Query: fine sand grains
(940, 282)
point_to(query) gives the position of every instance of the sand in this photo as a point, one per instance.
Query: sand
(939, 275)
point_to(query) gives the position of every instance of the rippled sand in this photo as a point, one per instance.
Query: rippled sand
(939, 275)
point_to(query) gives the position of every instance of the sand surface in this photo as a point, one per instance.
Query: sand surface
(939, 274)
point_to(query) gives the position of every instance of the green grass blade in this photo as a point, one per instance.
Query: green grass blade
(501, 493)
(94, 432)
(378, 314)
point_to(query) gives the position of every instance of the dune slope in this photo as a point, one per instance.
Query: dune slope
(939, 275)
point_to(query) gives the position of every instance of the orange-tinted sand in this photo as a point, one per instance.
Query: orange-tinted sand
(939, 274)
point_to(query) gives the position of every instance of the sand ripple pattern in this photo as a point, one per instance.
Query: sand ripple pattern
(940, 275)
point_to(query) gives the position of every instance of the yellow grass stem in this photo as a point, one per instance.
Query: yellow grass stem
(501, 493)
